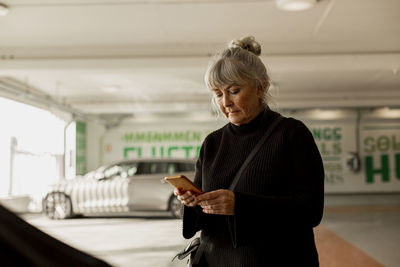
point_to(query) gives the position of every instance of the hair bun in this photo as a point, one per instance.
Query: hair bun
(248, 43)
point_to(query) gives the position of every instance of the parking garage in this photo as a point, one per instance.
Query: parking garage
(95, 93)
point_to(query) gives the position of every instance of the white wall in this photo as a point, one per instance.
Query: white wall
(94, 134)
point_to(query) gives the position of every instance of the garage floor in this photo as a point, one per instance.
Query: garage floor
(360, 230)
(357, 230)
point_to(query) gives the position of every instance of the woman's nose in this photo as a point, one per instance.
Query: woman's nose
(226, 101)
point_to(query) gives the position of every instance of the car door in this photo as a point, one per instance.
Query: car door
(116, 189)
(105, 194)
(148, 189)
(127, 172)
(83, 193)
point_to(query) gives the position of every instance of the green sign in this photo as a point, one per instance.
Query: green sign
(163, 151)
(162, 144)
(329, 142)
(382, 159)
(80, 148)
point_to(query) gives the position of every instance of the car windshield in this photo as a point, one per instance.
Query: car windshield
(94, 173)
(128, 170)
(123, 170)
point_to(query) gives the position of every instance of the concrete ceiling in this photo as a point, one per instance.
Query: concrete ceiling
(149, 56)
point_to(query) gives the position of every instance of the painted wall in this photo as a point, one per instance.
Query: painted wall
(157, 139)
(373, 135)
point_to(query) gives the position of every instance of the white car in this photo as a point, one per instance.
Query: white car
(121, 187)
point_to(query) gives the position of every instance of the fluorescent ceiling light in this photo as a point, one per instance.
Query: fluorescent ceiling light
(326, 114)
(388, 112)
(294, 5)
(4, 10)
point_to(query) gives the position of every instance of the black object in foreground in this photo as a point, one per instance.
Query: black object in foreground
(22, 244)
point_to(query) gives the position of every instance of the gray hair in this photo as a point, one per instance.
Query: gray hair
(238, 64)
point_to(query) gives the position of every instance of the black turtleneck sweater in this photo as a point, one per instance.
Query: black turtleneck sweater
(278, 199)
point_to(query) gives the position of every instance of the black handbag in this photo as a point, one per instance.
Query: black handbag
(195, 247)
(190, 249)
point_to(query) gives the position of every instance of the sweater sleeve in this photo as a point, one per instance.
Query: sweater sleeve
(192, 216)
(302, 206)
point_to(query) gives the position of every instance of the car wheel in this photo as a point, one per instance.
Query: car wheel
(57, 206)
(175, 207)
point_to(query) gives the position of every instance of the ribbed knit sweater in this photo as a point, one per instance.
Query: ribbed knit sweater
(278, 199)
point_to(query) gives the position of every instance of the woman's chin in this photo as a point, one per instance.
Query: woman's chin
(235, 122)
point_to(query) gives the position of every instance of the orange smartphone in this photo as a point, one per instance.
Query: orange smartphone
(182, 182)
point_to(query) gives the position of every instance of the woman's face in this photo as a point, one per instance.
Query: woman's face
(239, 103)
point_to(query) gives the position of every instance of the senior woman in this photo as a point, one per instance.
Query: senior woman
(268, 220)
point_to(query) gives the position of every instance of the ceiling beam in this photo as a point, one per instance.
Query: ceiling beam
(302, 63)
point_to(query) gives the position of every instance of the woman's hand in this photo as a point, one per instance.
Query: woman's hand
(217, 202)
(187, 198)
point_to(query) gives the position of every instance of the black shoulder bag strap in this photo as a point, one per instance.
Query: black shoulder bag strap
(254, 151)
(257, 147)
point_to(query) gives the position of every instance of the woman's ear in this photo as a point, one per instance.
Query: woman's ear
(260, 91)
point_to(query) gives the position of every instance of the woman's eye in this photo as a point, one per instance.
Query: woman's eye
(235, 91)
(218, 95)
